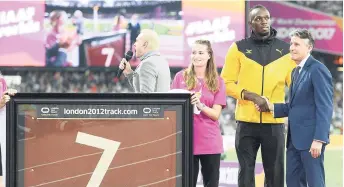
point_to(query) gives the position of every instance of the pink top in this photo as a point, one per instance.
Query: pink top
(3, 85)
(207, 134)
(51, 39)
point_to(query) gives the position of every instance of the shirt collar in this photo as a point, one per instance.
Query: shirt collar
(303, 62)
(150, 53)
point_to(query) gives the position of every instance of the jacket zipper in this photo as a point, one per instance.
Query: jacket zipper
(267, 60)
(262, 93)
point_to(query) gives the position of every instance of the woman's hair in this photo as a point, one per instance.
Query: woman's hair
(56, 15)
(211, 75)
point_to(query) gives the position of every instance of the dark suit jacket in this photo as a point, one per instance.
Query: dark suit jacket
(55, 57)
(310, 106)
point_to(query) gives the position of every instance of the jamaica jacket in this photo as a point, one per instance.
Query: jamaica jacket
(260, 66)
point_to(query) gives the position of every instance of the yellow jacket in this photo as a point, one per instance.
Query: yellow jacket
(262, 67)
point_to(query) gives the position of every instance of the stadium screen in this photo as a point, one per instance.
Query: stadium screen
(65, 34)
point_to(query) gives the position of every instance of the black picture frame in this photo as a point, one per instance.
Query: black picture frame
(174, 99)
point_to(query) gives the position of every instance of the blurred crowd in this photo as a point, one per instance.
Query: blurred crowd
(107, 82)
(72, 82)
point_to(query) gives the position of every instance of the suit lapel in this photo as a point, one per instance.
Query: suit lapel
(296, 83)
(291, 93)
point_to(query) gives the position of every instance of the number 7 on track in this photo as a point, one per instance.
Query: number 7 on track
(110, 149)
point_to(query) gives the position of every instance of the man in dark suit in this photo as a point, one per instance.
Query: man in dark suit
(309, 113)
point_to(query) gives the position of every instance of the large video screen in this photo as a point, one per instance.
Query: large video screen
(21, 33)
(221, 22)
(326, 29)
(84, 37)
(82, 34)
(104, 51)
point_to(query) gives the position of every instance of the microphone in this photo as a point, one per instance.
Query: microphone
(128, 56)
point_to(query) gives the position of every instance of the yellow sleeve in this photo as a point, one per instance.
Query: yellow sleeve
(230, 72)
(290, 70)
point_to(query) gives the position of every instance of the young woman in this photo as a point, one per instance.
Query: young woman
(4, 98)
(208, 94)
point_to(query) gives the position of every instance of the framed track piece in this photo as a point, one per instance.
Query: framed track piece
(91, 140)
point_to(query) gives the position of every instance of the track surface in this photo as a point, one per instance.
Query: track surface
(146, 155)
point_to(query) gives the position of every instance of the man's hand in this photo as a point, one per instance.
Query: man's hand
(316, 149)
(262, 104)
(259, 101)
(270, 105)
(126, 66)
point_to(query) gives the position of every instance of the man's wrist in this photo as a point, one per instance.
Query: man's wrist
(250, 96)
(271, 107)
(129, 73)
(319, 141)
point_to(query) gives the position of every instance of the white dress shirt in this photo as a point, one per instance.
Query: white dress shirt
(303, 62)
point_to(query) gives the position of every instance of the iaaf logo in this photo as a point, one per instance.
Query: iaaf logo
(208, 26)
(49, 110)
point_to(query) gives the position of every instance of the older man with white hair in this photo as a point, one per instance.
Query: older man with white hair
(153, 72)
(309, 113)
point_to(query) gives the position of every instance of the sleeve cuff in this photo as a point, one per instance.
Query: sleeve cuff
(242, 94)
(129, 75)
(319, 141)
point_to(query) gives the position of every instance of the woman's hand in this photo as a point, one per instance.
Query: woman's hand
(195, 98)
(4, 99)
(10, 92)
(7, 96)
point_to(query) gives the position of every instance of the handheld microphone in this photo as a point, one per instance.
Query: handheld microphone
(128, 56)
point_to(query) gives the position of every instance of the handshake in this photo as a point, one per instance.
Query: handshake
(261, 103)
(264, 106)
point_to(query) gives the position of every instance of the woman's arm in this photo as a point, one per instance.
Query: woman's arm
(213, 113)
(219, 102)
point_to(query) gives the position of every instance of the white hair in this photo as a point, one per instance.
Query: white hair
(305, 35)
(152, 38)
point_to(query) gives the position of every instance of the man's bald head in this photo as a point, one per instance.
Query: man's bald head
(152, 38)
(148, 40)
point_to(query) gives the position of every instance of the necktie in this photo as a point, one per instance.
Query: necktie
(295, 76)
(297, 73)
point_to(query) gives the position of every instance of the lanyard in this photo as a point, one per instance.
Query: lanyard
(200, 84)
